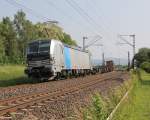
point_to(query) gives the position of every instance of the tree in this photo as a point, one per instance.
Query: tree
(142, 56)
(26, 31)
(52, 31)
(2, 49)
(16, 33)
(145, 66)
(67, 39)
(8, 35)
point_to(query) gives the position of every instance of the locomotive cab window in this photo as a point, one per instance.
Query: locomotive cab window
(44, 46)
(38, 47)
(33, 47)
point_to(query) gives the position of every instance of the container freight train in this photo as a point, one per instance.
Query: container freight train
(52, 59)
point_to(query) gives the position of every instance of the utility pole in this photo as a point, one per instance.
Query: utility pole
(84, 38)
(92, 42)
(131, 44)
(128, 60)
(133, 36)
(103, 59)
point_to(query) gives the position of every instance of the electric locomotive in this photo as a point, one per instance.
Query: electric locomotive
(52, 59)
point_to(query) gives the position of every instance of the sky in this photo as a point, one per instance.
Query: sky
(91, 18)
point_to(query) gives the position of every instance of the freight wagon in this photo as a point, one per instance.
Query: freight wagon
(53, 59)
(110, 65)
(107, 67)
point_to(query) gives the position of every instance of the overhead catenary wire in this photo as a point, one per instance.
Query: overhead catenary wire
(99, 13)
(86, 14)
(97, 10)
(98, 26)
(89, 20)
(29, 10)
(83, 14)
(96, 13)
(61, 11)
(16, 4)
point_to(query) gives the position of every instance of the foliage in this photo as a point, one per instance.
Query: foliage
(53, 31)
(16, 33)
(142, 56)
(145, 66)
(2, 50)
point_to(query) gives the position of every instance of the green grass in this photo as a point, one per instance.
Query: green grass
(137, 105)
(12, 75)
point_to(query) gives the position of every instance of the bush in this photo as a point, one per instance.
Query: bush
(146, 66)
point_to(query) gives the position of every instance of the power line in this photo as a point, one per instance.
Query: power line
(51, 3)
(29, 10)
(93, 5)
(85, 15)
(90, 18)
(101, 16)
(82, 13)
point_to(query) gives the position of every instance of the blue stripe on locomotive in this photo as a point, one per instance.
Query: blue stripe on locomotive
(67, 57)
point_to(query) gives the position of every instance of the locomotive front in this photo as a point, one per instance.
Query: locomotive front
(38, 59)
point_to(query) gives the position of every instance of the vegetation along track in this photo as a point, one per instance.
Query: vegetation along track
(11, 105)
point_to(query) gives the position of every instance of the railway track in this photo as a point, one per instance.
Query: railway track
(19, 90)
(12, 105)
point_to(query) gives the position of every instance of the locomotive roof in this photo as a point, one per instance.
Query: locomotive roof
(39, 40)
(73, 47)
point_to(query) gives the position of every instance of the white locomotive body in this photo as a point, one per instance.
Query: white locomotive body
(53, 59)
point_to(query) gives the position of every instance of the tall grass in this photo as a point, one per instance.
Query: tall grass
(97, 111)
(101, 107)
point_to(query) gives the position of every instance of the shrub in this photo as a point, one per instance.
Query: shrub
(146, 66)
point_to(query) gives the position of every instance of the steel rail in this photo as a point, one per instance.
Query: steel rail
(12, 105)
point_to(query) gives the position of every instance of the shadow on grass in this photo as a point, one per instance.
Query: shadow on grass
(141, 78)
(17, 81)
(145, 82)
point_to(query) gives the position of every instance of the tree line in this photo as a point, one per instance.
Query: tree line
(16, 33)
(143, 59)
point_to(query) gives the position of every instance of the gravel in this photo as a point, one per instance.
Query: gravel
(9, 92)
(67, 107)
